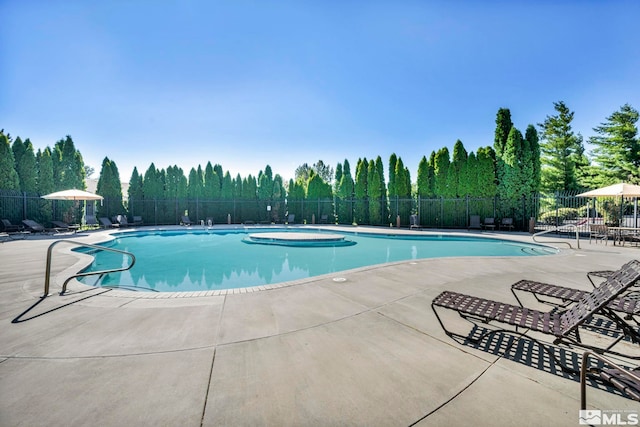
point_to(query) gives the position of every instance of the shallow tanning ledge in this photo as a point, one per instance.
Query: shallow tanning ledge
(298, 239)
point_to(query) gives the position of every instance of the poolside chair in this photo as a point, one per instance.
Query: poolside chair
(598, 232)
(506, 223)
(106, 223)
(122, 220)
(60, 226)
(414, 222)
(137, 220)
(90, 220)
(291, 219)
(489, 223)
(623, 379)
(561, 324)
(627, 304)
(33, 226)
(184, 220)
(324, 219)
(474, 222)
(8, 227)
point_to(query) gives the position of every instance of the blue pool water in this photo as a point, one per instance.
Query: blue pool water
(190, 260)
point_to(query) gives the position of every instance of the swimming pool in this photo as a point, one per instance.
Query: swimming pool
(210, 259)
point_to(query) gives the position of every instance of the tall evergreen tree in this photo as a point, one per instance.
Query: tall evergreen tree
(25, 159)
(510, 187)
(9, 179)
(403, 189)
(70, 172)
(424, 188)
(135, 194)
(531, 136)
(486, 172)
(344, 195)
(441, 172)
(45, 182)
(375, 194)
(278, 197)
(559, 150)
(361, 208)
(617, 151)
(110, 187)
(503, 127)
(468, 185)
(460, 156)
(383, 189)
(391, 188)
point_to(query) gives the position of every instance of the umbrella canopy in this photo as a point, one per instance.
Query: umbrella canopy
(72, 194)
(621, 189)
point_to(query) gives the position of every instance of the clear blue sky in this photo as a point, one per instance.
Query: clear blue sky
(251, 83)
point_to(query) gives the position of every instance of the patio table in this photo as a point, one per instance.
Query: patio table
(619, 234)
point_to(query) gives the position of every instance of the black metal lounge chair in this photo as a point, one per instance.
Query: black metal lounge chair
(506, 223)
(185, 220)
(122, 221)
(8, 227)
(33, 226)
(106, 223)
(60, 226)
(562, 324)
(474, 222)
(489, 223)
(625, 380)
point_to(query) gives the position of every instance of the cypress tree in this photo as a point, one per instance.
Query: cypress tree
(110, 188)
(393, 192)
(337, 177)
(424, 189)
(152, 193)
(344, 194)
(468, 178)
(361, 208)
(278, 199)
(459, 159)
(511, 186)
(403, 189)
(486, 172)
(441, 172)
(531, 136)
(503, 127)
(9, 179)
(135, 195)
(45, 182)
(383, 188)
(375, 194)
(70, 173)
(25, 159)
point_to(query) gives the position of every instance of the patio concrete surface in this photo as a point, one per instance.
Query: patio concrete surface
(366, 350)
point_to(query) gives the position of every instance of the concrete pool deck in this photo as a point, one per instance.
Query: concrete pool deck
(364, 350)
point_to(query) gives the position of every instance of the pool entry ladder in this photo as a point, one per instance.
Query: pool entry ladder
(47, 277)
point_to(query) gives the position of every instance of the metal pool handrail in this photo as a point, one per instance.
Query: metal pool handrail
(556, 228)
(47, 277)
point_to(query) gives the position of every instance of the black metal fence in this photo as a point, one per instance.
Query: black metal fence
(546, 210)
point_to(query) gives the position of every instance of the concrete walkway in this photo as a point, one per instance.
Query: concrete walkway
(364, 351)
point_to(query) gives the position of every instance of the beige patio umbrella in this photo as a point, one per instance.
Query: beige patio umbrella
(72, 194)
(618, 190)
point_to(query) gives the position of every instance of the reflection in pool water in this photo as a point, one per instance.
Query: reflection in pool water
(198, 261)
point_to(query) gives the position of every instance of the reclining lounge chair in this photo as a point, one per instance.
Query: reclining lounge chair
(562, 324)
(33, 226)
